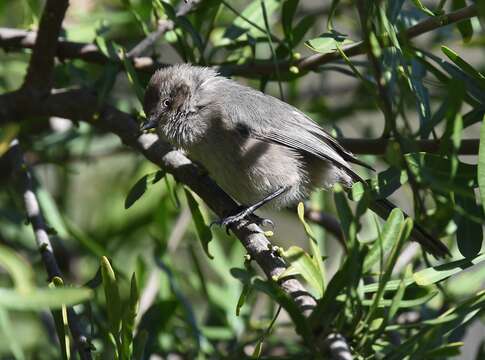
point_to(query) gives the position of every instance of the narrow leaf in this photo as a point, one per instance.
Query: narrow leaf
(438, 273)
(43, 298)
(203, 231)
(302, 264)
(112, 294)
(141, 187)
(481, 164)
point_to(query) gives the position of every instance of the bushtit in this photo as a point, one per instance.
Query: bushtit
(257, 148)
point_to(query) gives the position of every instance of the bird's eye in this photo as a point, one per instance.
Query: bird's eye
(166, 103)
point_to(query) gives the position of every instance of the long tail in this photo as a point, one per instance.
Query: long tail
(383, 207)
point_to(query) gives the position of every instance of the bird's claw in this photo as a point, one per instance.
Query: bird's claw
(240, 215)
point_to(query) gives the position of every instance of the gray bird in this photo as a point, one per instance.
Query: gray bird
(258, 149)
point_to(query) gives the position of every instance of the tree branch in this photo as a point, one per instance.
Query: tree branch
(13, 39)
(44, 245)
(41, 66)
(163, 26)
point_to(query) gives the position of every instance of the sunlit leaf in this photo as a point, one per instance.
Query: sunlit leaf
(7, 134)
(61, 323)
(438, 273)
(465, 66)
(203, 231)
(389, 236)
(17, 268)
(302, 264)
(328, 42)
(42, 298)
(422, 7)
(141, 186)
(481, 164)
(112, 295)
(314, 244)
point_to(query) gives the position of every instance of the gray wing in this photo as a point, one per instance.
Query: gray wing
(272, 120)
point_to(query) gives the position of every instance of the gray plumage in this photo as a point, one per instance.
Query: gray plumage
(251, 143)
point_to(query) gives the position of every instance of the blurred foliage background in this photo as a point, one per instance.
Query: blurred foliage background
(110, 216)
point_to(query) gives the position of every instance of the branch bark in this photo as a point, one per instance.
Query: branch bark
(44, 245)
(41, 66)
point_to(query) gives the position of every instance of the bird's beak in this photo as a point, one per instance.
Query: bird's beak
(150, 123)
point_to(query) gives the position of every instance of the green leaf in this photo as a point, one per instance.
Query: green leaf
(314, 244)
(463, 65)
(107, 48)
(438, 273)
(469, 232)
(391, 285)
(302, 264)
(203, 231)
(140, 343)
(397, 302)
(141, 187)
(434, 331)
(132, 76)
(288, 13)
(112, 294)
(442, 174)
(106, 82)
(423, 8)
(246, 290)
(331, 13)
(417, 73)
(42, 298)
(389, 236)
(444, 351)
(187, 26)
(9, 335)
(137, 16)
(18, 268)
(61, 323)
(481, 164)
(129, 317)
(387, 182)
(250, 20)
(405, 229)
(347, 276)
(398, 297)
(465, 26)
(51, 211)
(8, 132)
(302, 27)
(349, 225)
(328, 42)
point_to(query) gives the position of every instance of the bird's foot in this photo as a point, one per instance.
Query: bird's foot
(239, 214)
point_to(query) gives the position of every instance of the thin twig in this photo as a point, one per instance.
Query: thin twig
(44, 245)
(163, 26)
